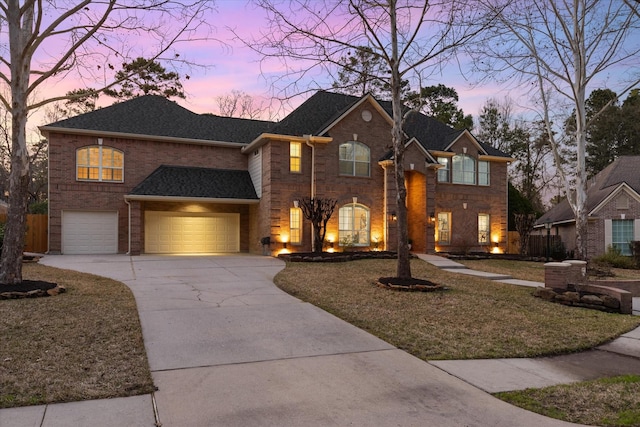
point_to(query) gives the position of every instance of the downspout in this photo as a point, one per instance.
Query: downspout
(307, 140)
(129, 227)
(385, 209)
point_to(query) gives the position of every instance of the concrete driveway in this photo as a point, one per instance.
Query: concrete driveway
(228, 348)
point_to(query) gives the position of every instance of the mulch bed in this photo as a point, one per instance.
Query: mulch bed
(336, 256)
(30, 289)
(412, 284)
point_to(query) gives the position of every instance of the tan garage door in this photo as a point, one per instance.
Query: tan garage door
(196, 233)
(89, 232)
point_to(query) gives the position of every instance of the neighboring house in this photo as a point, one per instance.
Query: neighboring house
(613, 210)
(148, 176)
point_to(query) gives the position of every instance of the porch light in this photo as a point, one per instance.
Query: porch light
(464, 205)
(432, 216)
(355, 200)
(296, 204)
(393, 216)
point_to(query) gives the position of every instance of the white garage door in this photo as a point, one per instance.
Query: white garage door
(89, 232)
(194, 233)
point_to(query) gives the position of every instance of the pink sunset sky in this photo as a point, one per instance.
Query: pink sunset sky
(225, 64)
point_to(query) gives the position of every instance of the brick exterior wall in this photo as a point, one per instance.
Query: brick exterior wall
(141, 158)
(490, 200)
(621, 204)
(280, 187)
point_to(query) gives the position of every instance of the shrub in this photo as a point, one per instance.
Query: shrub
(635, 250)
(614, 258)
(558, 251)
(39, 207)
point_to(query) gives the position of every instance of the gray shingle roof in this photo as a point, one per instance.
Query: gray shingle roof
(323, 108)
(623, 170)
(181, 181)
(154, 115)
(315, 114)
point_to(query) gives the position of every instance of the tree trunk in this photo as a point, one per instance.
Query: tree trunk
(403, 268)
(20, 31)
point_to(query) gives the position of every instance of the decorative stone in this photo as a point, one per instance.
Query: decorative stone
(547, 294)
(591, 299)
(568, 297)
(610, 302)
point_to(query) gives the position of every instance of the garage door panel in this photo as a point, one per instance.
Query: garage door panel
(86, 232)
(178, 232)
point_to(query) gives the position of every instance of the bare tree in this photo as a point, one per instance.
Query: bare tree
(318, 210)
(239, 104)
(57, 39)
(524, 223)
(413, 39)
(559, 48)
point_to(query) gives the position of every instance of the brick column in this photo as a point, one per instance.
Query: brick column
(556, 275)
(135, 230)
(577, 271)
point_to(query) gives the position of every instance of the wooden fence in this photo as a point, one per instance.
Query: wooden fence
(537, 244)
(36, 236)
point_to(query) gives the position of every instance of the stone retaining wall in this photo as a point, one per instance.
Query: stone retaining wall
(566, 283)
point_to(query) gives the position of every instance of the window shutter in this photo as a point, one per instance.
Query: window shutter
(608, 233)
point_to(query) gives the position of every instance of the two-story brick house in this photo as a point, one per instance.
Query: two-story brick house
(148, 176)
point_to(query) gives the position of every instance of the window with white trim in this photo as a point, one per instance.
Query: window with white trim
(483, 172)
(353, 225)
(463, 169)
(98, 163)
(355, 159)
(444, 228)
(295, 226)
(295, 156)
(622, 235)
(484, 228)
(444, 172)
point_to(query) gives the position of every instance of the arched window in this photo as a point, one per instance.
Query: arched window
(463, 169)
(98, 163)
(355, 159)
(354, 225)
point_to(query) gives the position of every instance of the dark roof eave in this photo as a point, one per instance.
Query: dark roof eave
(149, 198)
(112, 134)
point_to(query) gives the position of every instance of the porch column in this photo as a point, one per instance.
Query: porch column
(431, 213)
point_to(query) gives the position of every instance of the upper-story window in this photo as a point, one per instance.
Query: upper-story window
(464, 169)
(295, 156)
(355, 159)
(483, 172)
(445, 171)
(98, 163)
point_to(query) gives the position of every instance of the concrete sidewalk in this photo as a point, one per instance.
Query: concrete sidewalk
(619, 357)
(226, 347)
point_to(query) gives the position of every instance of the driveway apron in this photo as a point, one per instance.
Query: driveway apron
(226, 347)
